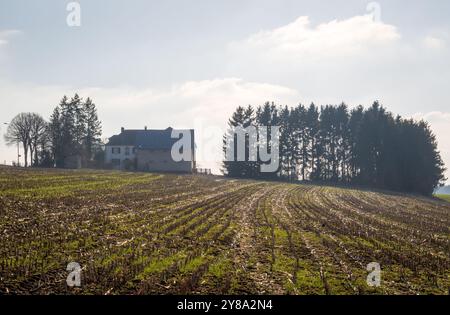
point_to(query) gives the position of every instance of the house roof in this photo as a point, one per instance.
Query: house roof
(151, 139)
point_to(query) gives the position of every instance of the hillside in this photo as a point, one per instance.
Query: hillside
(137, 233)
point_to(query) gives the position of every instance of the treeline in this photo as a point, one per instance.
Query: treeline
(70, 139)
(334, 144)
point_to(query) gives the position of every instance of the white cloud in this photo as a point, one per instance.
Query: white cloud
(356, 60)
(434, 42)
(349, 60)
(299, 40)
(217, 99)
(436, 116)
(5, 35)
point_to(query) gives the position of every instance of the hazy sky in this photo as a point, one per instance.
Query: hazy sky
(190, 63)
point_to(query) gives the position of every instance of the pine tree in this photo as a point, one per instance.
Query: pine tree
(93, 128)
(354, 127)
(342, 141)
(57, 133)
(266, 117)
(326, 135)
(312, 124)
(285, 143)
(79, 134)
(68, 128)
(233, 167)
(75, 130)
(302, 133)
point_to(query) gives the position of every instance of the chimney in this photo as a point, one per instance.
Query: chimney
(145, 128)
(122, 129)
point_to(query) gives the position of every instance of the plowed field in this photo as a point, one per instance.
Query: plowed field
(137, 233)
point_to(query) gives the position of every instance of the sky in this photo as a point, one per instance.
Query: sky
(189, 64)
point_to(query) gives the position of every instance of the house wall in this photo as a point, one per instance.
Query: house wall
(161, 161)
(122, 156)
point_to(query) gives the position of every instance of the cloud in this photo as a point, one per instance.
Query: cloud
(300, 40)
(5, 35)
(340, 60)
(217, 98)
(436, 116)
(356, 60)
(435, 42)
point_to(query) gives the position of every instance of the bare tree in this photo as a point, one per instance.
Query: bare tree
(38, 130)
(29, 129)
(19, 132)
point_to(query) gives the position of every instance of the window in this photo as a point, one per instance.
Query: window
(134, 150)
(127, 151)
(115, 150)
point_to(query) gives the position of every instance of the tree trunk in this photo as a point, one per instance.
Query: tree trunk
(36, 158)
(25, 154)
(31, 153)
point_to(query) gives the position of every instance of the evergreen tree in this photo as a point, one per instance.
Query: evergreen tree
(342, 142)
(266, 117)
(420, 164)
(93, 128)
(286, 144)
(75, 130)
(354, 128)
(55, 129)
(313, 126)
(233, 167)
(326, 135)
(302, 134)
(69, 133)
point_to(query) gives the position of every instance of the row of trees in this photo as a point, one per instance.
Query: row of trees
(73, 132)
(335, 144)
